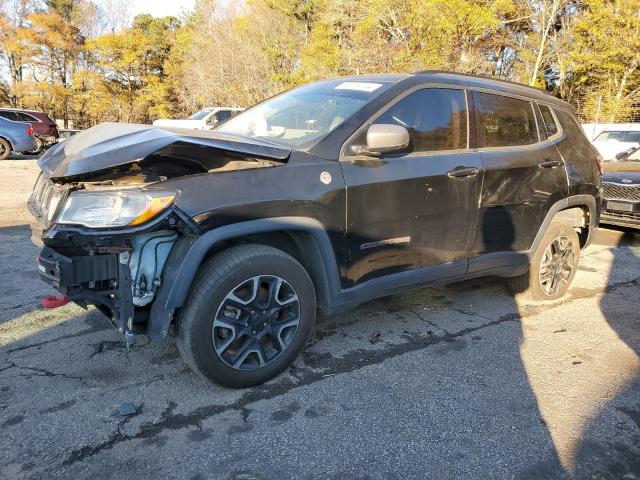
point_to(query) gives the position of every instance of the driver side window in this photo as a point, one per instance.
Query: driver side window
(436, 119)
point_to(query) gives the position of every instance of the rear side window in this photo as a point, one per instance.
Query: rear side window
(436, 119)
(549, 122)
(26, 118)
(9, 116)
(505, 121)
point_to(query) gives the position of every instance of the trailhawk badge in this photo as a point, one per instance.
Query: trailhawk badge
(388, 241)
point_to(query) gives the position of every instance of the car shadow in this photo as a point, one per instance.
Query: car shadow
(626, 256)
(465, 358)
(23, 156)
(604, 454)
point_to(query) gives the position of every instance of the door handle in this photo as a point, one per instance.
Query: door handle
(463, 172)
(549, 164)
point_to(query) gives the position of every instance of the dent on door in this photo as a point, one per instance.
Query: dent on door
(517, 194)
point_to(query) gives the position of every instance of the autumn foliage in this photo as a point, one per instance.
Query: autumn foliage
(76, 60)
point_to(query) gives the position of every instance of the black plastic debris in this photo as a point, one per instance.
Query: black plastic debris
(375, 338)
(127, 408)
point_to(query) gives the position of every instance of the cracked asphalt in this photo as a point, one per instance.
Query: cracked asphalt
(458, 381)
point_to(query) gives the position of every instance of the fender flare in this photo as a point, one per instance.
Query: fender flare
(189, 252)
(8, 141)
(588, 201)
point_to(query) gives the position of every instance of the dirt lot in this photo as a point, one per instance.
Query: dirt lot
(464, 382)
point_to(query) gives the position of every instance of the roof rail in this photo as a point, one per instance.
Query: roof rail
(483, 77)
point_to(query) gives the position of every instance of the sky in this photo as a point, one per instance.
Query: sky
(160, 8)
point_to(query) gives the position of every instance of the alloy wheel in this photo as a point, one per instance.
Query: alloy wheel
(256, 322)
(557, 265)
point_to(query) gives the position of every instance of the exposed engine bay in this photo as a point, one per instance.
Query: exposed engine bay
(159, 167)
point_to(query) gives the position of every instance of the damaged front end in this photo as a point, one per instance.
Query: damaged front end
(104, 222)
(119, 270)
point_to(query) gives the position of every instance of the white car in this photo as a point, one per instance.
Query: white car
(615, 139)
(65, 133)
(205, 119)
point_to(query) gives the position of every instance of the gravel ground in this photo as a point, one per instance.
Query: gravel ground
(464, 382)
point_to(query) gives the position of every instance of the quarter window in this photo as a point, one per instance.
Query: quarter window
(436, 119)
(549, 122)
(505, 121)
(26, 118)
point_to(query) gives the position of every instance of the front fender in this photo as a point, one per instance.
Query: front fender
(189, 253)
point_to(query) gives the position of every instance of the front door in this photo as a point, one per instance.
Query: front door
(416, 208)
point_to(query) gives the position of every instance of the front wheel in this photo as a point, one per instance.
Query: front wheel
(249, 314)
(553, 265)
(5, 149)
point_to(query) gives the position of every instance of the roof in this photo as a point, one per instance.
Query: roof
(11, 109)
(478, 81)
(382, 77)
(222, 108)
(481, 81)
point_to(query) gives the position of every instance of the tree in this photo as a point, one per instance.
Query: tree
(238, 52)
(605, 58)
(545, 12)
(14, 51)
(117, 14)
(132, 62)
(58, 44)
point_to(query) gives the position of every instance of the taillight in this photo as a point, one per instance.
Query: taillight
(29, 130)
(600, 163)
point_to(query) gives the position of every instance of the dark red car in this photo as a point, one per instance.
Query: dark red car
(45, 130)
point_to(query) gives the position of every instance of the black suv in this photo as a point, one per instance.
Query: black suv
(318, 199)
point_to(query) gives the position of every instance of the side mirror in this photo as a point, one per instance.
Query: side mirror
(386, 137)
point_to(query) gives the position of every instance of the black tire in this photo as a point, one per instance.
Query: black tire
(39, 147)
(209, 300)
(553, 266)
(5, 149)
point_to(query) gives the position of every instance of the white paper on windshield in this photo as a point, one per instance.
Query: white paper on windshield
(359, 86)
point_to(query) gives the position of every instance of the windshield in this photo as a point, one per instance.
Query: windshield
(304, 115)
(201, 114)
(628, 137)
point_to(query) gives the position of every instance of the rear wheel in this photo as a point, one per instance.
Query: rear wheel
(5, 149)
(553, 265)
(249, 313)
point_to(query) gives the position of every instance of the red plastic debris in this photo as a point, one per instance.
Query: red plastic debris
(51, 301)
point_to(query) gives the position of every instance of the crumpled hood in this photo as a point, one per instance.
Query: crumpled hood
(115, 144)
(622, 172)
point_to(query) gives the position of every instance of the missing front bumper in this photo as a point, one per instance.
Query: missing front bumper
(68, 274)
(102, 280)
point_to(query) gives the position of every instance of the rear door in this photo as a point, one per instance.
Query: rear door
(416, 208)
(524, 173)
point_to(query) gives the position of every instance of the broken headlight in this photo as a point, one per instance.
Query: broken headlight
(114, 209)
